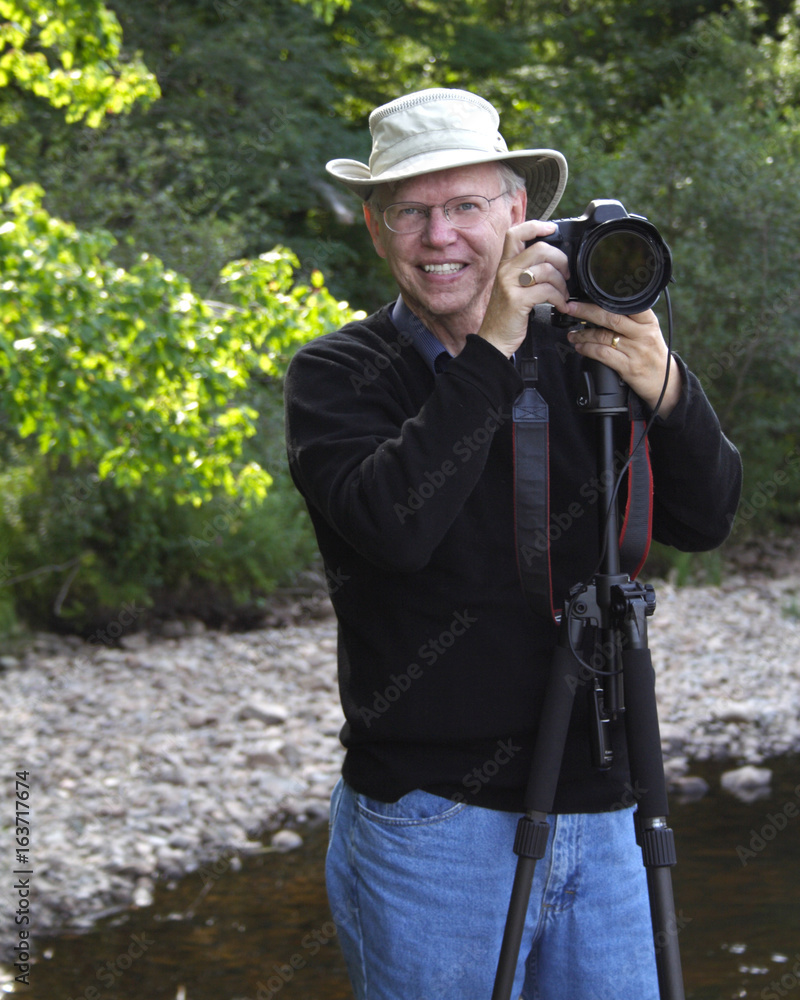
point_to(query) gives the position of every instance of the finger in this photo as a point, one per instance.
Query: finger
(533, 229)
(538, 284)
(600, 342)
(544, 253)
(598, 316)
(524, 248)
(540, 273)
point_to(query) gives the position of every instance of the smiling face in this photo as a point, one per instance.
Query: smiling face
(446, 274)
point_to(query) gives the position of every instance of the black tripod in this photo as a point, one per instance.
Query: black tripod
(618, 609)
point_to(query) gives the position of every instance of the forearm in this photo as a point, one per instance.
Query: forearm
(697, 472)
(388, 481)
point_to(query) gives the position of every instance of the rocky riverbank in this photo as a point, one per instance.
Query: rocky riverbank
(176, 752)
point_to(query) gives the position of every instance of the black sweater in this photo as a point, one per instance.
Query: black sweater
(408, 481)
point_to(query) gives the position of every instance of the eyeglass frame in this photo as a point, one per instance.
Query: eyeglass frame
(443, 205)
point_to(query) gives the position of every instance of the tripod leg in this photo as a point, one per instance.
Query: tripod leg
(665, 933)
(654, 836)
(515, 924)
(533, 829)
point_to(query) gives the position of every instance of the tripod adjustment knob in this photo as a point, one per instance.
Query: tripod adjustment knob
(658, 847)
(531, 838)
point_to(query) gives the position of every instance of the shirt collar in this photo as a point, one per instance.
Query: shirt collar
(427, 344)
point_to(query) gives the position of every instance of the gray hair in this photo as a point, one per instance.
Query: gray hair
(509, 176)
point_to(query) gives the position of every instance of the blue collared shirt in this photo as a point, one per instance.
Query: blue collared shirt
(428, 345)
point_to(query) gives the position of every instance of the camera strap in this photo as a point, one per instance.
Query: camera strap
(531, 422)
(531, 443)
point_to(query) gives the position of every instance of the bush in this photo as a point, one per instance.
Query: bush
(141, 436)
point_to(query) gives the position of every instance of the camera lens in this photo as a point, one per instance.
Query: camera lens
(620, 257)
(623, 267)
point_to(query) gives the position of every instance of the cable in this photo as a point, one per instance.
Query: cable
(614, 493)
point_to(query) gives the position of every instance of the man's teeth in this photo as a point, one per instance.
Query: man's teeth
(442, 268)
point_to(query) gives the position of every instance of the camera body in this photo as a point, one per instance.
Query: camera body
(616, 260)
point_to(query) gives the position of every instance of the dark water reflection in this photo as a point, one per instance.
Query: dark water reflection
(267, 926)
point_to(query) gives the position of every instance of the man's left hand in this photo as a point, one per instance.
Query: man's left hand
(633, 346)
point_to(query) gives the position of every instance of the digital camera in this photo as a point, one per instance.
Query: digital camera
(616, 260)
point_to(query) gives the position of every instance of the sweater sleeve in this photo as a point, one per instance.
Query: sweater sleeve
(389, 460)
(697, 473)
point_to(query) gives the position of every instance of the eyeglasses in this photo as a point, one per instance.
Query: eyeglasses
(463, 212)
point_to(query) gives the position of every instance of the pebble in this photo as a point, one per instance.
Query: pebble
(286, 840)
(746, 781)
(188, 751)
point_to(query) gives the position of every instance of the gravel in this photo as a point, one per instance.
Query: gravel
(172, 753)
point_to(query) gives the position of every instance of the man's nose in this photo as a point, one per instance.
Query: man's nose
(438, 228)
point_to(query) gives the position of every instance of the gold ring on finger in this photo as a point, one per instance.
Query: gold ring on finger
(527, 278)
(615, 341)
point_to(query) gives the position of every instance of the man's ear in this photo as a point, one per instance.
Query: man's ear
(373, 221)
(519, 206)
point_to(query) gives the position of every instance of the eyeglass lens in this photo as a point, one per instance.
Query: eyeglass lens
(463, 212)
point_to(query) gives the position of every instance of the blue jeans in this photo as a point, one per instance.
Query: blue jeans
(419, 890)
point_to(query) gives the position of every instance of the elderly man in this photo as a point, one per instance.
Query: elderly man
(399, 433)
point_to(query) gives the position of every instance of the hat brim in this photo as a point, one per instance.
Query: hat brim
(544, 171)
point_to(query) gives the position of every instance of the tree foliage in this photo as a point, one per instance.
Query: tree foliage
(68, 53)
(125, 393)
(129, 370)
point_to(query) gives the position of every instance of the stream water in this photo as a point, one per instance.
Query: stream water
(265, 930)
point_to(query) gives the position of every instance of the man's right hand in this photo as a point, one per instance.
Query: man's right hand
(505, 321)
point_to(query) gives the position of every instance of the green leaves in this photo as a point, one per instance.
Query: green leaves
(273, 316)
(131, 372)
(68, 54)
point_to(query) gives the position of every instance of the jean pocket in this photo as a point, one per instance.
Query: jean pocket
(417, 808)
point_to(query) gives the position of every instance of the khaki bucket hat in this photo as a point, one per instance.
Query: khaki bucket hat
(438, 129)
